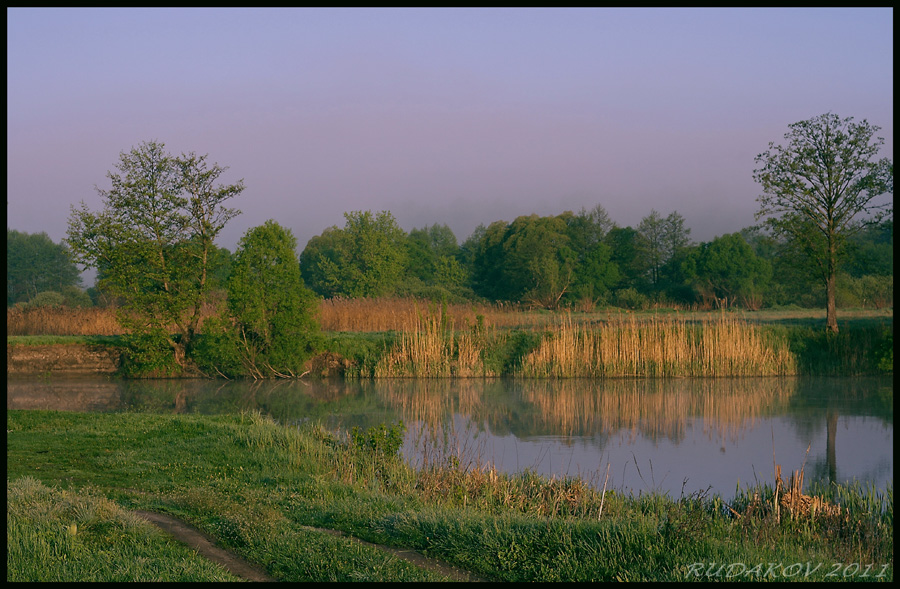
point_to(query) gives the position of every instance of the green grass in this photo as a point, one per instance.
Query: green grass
(257, 486)
(55, 535)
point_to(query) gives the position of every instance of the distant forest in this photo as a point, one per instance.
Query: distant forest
(580, 261)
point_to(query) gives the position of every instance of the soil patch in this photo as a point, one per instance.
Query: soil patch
(203, 544)
(183, 532)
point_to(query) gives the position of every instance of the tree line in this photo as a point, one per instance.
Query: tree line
(824, 236)
(578, 260)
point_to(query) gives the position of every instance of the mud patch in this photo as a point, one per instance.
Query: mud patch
(184, 532)
(197, 540)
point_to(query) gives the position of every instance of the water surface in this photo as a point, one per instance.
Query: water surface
(635, 435)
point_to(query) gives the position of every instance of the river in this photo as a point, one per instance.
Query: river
(673, 436)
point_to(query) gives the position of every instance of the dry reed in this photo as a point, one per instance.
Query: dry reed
(431, 350)
(659, 347)
(406, 314)
(62, 321)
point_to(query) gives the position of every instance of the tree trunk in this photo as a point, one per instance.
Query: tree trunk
(830, 291)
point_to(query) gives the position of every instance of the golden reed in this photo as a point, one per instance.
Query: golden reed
(657, 347)
(363, 315)
(430, 349)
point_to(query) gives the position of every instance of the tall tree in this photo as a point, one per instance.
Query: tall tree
(35, 264)
(822, 186)
(629, 254)
(726, 270)
(431, 248)
(538, 264)
(485, 250)
(153, 242)
(662, 238)
(270, 329)
(587, 228)
(366, 258)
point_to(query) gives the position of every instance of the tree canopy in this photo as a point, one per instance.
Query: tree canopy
(35, 264)
(367, 258)
(270, 327)
(821, 186)
(152, 244)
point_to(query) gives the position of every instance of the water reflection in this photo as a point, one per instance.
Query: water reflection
(667, 435)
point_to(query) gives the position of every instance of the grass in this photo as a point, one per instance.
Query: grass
(257, 487)
(57, 535)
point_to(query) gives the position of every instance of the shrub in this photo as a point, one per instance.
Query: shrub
(48, 298)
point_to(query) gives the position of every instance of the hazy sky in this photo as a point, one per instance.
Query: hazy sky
(456, 116)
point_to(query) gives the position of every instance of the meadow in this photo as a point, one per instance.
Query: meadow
(267, 491)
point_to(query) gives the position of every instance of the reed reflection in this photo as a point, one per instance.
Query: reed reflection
(653, 408)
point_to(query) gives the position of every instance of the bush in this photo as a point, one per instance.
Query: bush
(76, 298)
(48, 298)
(629, 298)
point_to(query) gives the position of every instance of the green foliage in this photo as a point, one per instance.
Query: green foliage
(381, 440)
(870, 251)
(35, 264)
(504, 354)
(529, 260)
(152, 243)
(629, 298)
(146, 352)
(727, 270)
(865, 292)
(629, 254)
(819, 184)
(595, 275)
(271, 327)
(886, 351)
(367, 258)
(432, 255)
(484, 250)
(76, 297)
(662, 237)
(586, 229)
(48, 298)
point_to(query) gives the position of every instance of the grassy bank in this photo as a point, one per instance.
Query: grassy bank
(435, 341)
(258, 488)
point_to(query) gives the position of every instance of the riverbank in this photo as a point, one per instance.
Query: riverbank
(665, 345)
(258, 488)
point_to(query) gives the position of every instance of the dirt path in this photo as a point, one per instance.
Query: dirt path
(184, 532)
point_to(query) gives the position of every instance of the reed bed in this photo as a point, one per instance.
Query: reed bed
(62, 321)
(338, 314)
(430, 350)
(406, 314)
(88, 321)
(659, 347)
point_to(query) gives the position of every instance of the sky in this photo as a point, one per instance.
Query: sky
(456, 116)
